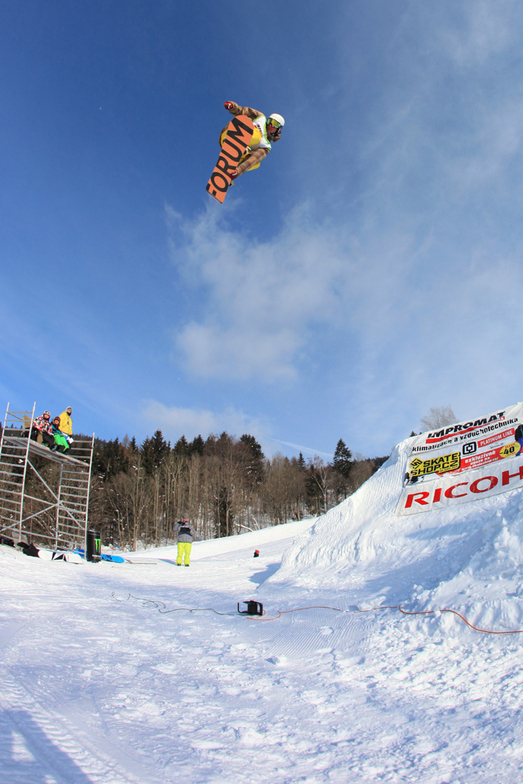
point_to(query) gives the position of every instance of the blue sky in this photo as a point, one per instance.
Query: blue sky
(370, 269)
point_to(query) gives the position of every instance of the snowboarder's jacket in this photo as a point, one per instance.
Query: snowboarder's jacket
(59, 437)
(43, 424)
(66, 423)
(263, 148)
(184, 532)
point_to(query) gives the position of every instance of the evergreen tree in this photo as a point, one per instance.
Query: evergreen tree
(154, 452)
(181, 448)
(250, 452)
(342, 466)
(109, 459)
(342, 462)
(197, 446)
(316, 486)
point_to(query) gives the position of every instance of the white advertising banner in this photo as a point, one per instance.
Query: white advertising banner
(464, 462)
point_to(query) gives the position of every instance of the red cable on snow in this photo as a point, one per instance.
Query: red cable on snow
(389, 607)
(455, 612)
(323, 607)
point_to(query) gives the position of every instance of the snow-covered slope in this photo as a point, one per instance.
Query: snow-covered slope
(146, 673)
(467, 557)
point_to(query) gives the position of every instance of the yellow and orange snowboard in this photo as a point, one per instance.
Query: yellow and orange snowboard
(238, 136)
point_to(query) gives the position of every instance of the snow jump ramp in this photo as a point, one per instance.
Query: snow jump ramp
(440, 525)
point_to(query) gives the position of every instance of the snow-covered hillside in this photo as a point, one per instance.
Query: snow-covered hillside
(146, 673)
(467, 557)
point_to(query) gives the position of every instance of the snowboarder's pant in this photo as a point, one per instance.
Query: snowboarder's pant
(47, 438)
(62, 443)
(184, 549)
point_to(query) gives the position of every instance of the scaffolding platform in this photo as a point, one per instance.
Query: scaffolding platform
(44, 495)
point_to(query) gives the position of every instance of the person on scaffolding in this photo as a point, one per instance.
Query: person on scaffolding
(61, 444)
(42, 427)
(66, 421)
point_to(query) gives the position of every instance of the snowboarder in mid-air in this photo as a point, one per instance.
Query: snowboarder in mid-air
(244, 143)
(268, 130)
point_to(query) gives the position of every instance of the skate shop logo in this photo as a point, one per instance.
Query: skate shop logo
(470, 449)
(435, 465)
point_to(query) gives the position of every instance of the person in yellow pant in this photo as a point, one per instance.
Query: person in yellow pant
(184, 553)
(186, 536)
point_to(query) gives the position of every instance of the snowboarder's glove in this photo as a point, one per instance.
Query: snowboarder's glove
(234, 175)
(228, 105)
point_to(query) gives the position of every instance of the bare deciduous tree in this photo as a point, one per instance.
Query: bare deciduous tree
(439, 416)
(283, 489)
(224, 485)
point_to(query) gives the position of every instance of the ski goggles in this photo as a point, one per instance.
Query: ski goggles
(274, 123)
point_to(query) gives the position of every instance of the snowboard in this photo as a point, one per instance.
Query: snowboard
(60, 555)
(238, 135)
(103, 556)
(113, 558)
(135, 559)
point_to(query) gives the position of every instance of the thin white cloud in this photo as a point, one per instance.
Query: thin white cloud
(305, 450)
(491, 147)
(239, 352)
(479, 30)
(175, 421)
(262, 299)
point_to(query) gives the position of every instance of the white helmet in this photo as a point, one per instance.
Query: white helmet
(279, 119)
(277, 122)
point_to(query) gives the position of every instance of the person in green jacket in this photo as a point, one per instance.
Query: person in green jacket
(60, 440)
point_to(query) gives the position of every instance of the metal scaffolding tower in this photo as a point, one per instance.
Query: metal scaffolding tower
(44, 495)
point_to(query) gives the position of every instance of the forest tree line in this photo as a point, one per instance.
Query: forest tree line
(224, 485)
